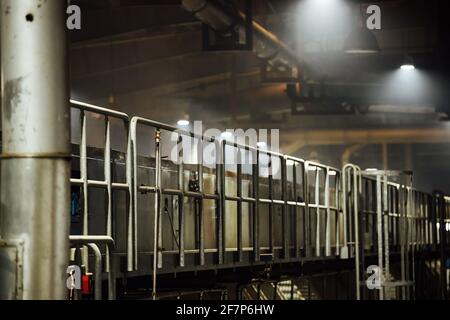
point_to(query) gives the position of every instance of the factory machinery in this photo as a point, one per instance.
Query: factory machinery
(146, 223)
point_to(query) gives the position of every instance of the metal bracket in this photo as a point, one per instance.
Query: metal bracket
(231, 40)
(11, 261)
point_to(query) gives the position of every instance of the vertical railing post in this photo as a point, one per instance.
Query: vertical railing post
(157, 254)
(239, 203)
(317, 203)
(271, 208)
(85, 187)
(108, 179)
(380, 235)
(327, 213)
(201, 212)
(307, 199)
(295, 210)
(181, 217)
(220, 189)
(255, 171)
(132, 168)
(286, 249)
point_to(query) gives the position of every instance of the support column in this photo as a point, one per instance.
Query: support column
(35, 164)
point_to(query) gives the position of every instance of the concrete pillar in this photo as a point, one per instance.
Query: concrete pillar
(35, 164)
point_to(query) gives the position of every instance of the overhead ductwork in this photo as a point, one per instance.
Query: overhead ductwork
(266, 45)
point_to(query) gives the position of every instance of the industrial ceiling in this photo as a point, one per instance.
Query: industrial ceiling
(146, 58)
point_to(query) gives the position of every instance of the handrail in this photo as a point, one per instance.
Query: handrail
(289, 165)
(92, 242)
(107, 183)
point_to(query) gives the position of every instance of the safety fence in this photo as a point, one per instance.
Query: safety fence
(174, 197)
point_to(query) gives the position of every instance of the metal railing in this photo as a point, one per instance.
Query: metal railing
(284, 208)
(107, 183)
(384, 217)
(92, 242)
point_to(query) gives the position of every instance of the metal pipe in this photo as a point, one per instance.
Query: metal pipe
(337, 195)
(286, 248)
(181, 218)
(271, 208)
(307, 198)
(222, 204)
(317, 202)
(380, 235)
(85, 187)
(157, 255)
(97, 271)
(239, 204)
(200, 202)
(35, 163)
(328, 214)
(358, 249)
(266, 45)
(93, 239)
(108, 180)
(131, 199)
(295, 209)
(255, 181)
(351, 188)
(385, 221)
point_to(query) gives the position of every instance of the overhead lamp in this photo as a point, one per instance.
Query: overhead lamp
(407, 67)
(408, 64)
(183, 123)
(361, 40)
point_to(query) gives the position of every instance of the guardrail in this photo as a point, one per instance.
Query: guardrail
(284, 209)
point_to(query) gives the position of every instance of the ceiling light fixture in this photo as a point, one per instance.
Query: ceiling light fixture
(408, 67)
(408, 64)
(183, 123)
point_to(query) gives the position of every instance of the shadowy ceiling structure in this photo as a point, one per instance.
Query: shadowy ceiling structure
(146, 58)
